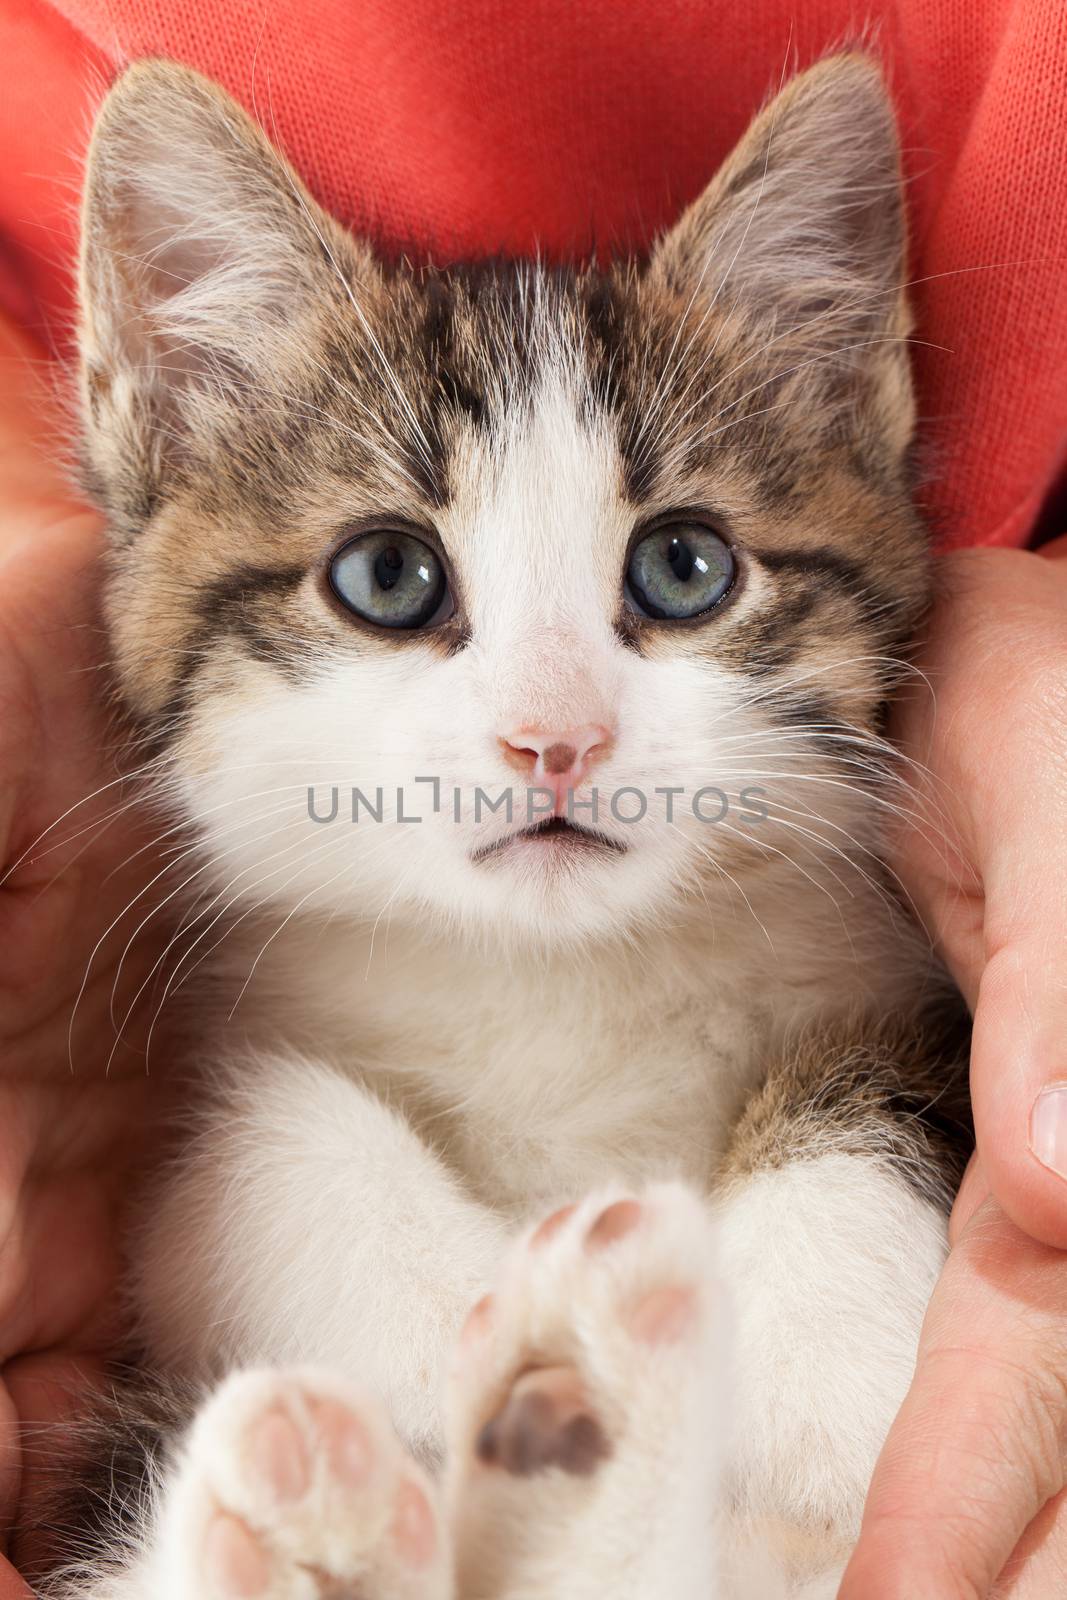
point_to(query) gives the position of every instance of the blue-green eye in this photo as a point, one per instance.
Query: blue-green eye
(680, 570)
(391, 578)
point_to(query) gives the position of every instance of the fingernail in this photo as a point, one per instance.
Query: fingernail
(1048, 1129)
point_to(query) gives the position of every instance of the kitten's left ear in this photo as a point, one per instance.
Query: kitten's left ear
(801, 233)
(205, 263)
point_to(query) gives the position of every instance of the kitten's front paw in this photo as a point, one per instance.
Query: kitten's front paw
(294, 1487)
(585, 1407)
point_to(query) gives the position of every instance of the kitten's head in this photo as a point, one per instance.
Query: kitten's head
(511, 528)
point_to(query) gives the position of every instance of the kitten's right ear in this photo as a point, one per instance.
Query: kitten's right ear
(801, 236)
(202, 256)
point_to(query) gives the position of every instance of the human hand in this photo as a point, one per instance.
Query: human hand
(974, 1468)
(71, 1130)
(969, 1500)
(992, 730)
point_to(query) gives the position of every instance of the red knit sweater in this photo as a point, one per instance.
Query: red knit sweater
(465, 127)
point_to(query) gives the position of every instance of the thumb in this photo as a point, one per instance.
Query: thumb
(993, 887)
(1019, 1046)
(978, 1447)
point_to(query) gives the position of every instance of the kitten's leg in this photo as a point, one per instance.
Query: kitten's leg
(309, 1223)
(291, 1486)
(832, 1227)
(587, 1424)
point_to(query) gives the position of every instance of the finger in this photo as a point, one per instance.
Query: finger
(973, 1192)
(992, 883)
(977, 1450)
(49, 1391)
(1016, 975)
(11, 1585)
(1038, 1568)
(10, 1462)
(1019, 1046)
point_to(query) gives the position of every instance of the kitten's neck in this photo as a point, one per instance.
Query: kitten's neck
(793, 946)
(540, 1072)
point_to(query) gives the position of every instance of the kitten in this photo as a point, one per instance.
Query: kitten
(653, 1088)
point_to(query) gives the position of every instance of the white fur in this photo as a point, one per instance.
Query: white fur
(820, 1372)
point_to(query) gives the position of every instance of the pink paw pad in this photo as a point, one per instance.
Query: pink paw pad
(414, 1533)
(551, 1226)
(279, 1457)
(479, 1321)
(235, 1563)
(614, 1224)
(546, 1421)
(665, 1316)
(347, 1441)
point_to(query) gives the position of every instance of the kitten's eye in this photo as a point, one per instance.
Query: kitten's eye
(392, 579)
(679, 571)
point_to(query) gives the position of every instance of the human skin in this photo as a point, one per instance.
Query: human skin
(71, 1131)
(975, 1467)
(979, 1452)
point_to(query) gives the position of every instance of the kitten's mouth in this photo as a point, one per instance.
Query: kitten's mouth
(556, 834)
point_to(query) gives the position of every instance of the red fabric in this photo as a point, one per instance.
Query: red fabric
(466, 127)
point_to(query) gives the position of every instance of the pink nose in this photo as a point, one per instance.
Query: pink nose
(561, 758)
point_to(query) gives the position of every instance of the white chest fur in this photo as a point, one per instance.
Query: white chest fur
(537, 1076)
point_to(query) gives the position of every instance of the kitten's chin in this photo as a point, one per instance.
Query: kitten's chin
(554, 847)
(557, 886)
